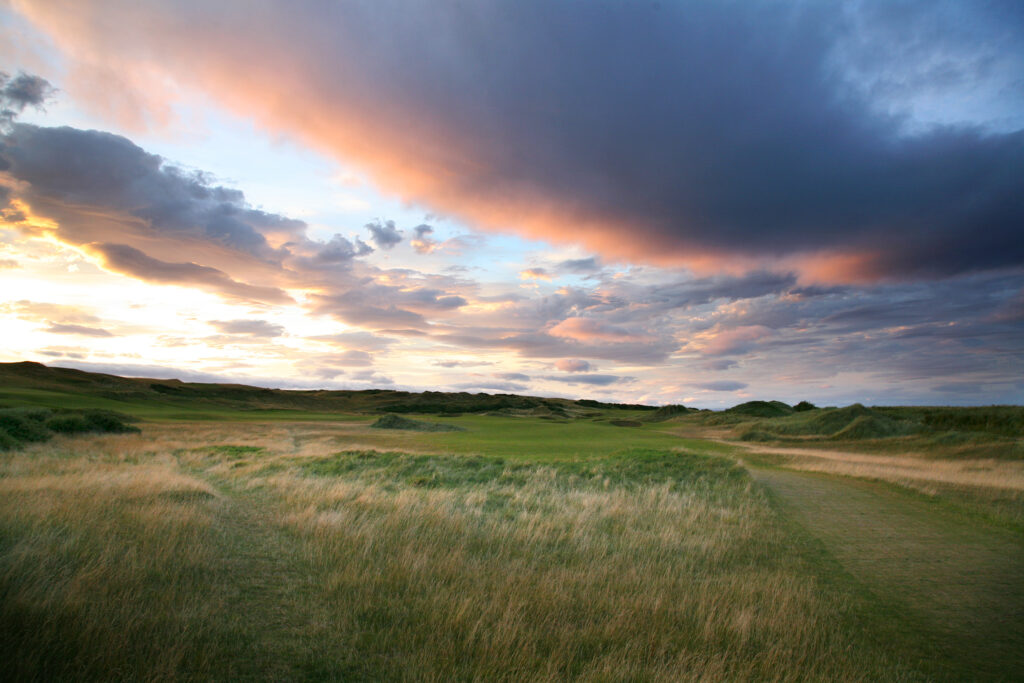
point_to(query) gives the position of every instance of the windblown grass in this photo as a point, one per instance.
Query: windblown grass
(251, 551)
(991, 487)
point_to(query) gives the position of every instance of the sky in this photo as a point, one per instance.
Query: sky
(662, 202)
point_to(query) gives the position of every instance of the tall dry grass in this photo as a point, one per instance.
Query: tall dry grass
(256, 552)
(991, 487)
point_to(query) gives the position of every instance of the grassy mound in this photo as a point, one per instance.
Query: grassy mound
(871, 427)
(667, 413)
(762, 409)
(398, 422)
(626, 423)
(853, 422)
(19, 426)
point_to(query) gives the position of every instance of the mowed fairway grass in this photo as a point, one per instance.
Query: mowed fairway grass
(518, 549)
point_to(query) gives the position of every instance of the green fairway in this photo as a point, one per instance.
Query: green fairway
(530, 438)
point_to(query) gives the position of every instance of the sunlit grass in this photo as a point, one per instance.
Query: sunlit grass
(231, 551)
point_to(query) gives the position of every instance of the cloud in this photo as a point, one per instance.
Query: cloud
(360, 341)
(723, 385)
(19, 92)
(514, 376)
(352, 357)
(738, 340)
(329, 366)
(573, 365)
(338, 252)
(713, 134)
(37, 310)
(120, 258)
(583, 265)
(592, 379)
(422, 242)
(720, 364)
(535, 274)
(488, 385)
(591, 329)
(371, 377)
(384, 234)
(252, 328)
(93, 182)
(83, 330)
(460, 363)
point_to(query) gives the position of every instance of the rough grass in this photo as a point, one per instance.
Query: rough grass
(233, 552)
(990, 487)
(963, 433)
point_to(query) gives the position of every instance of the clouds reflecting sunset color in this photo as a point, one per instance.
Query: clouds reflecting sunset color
(670, 202)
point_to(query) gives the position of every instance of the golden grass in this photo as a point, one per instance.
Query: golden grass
(156, 557)
(908, 469)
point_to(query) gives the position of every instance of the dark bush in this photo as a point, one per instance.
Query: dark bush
(7, 442)
(25, 424)
(107, 421)
(69, 424)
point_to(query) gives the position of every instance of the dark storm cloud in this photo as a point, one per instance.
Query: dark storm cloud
(384, 234)
(652, 130)
(127, 260)
(730, 127)
(686, 293)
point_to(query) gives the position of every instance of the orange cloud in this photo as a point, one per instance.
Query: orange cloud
(591, 329)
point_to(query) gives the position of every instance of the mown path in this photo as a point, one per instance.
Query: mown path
(953, 584)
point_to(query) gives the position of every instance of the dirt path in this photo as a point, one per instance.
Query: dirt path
(957, 586)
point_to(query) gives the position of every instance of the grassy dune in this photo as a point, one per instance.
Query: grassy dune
(234, 551)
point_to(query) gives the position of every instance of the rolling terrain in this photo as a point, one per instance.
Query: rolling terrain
(237, 533)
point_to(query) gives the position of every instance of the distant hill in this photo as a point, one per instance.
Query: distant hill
(38, 384)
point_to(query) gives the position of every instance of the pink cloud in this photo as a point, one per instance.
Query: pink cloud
(573, 365)
(736, 340)
(590, 329)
